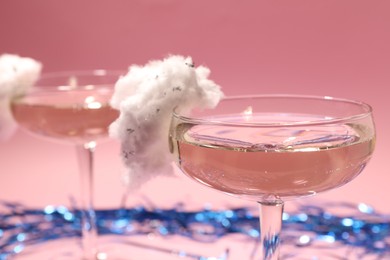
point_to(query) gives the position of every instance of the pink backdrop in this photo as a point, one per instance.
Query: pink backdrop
(324, 47)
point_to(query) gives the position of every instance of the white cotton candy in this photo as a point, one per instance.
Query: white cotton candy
(17, 74)
(145, 98)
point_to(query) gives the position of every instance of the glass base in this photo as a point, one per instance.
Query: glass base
(115, 247)
(110, 248)
(178, 248)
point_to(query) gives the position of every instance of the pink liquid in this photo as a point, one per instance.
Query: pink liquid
(258, 163)
(73, 117)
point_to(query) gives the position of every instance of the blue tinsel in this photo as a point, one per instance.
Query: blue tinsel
(363, 228)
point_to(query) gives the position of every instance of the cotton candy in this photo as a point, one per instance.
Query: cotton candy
(145, 97)
(17, 74)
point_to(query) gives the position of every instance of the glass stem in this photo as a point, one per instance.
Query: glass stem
(88, 218)
(271, 213)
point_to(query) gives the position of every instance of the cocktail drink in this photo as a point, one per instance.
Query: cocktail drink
(72, 108)
(273, 148)
(69, 116)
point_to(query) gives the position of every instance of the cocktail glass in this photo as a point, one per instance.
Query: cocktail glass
(72, 108)
(274, 148)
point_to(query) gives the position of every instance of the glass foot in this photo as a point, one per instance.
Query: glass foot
(114, 247)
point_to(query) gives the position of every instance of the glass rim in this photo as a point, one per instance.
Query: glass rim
(46, 76)
(366, 111)
(86, 72)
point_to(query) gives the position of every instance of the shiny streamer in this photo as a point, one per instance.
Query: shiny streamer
(359, 227)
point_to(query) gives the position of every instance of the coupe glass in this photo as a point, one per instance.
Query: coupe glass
(72, 108)
(274, 148)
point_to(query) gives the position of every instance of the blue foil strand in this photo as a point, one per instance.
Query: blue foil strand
(362, 227)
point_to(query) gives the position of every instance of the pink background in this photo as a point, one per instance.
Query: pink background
(324, 47)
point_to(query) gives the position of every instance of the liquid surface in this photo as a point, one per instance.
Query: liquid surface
(71, 117)
(281, 162)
